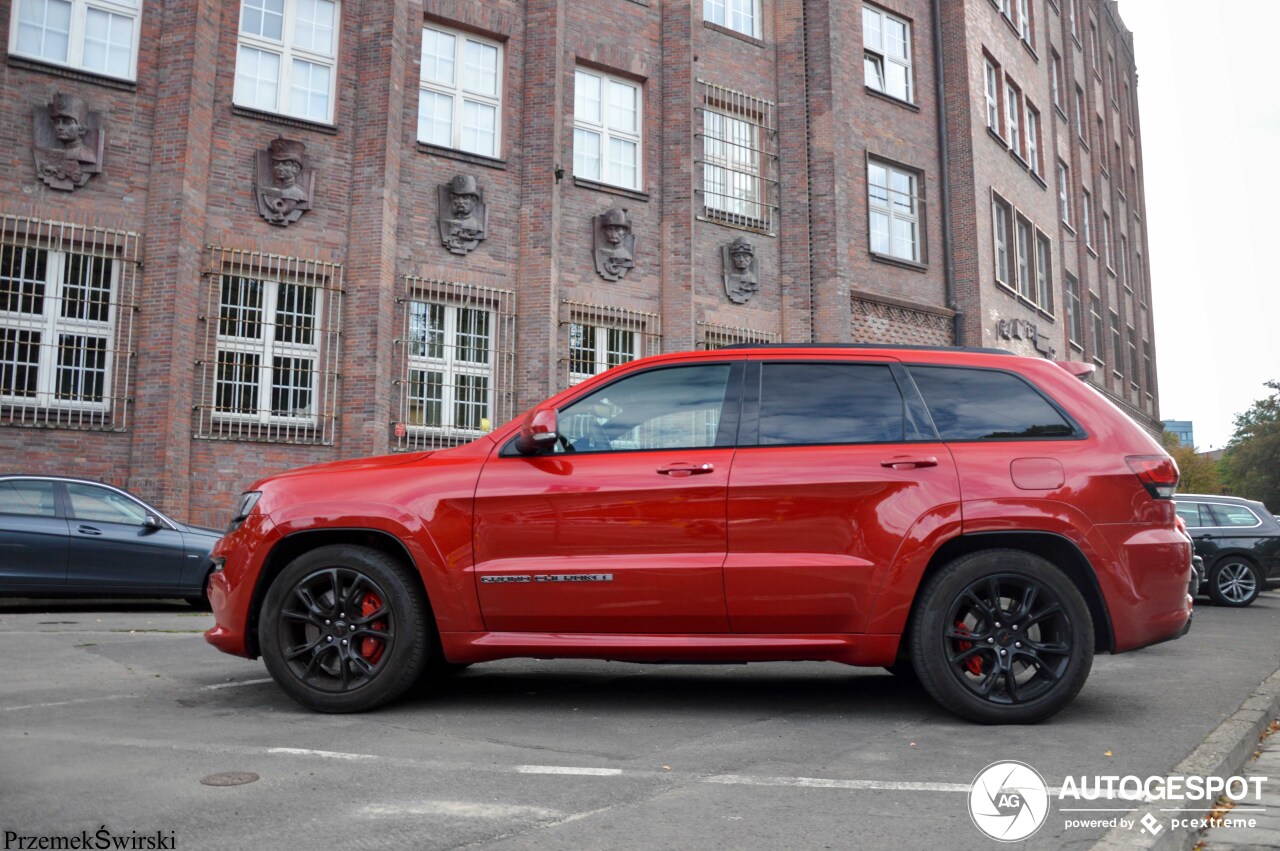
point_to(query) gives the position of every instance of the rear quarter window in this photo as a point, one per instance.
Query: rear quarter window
(987, 404)
(1233, 515)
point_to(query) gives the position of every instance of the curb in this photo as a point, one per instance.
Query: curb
(1223, 753)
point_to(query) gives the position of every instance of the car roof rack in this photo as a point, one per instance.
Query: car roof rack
(903, 346)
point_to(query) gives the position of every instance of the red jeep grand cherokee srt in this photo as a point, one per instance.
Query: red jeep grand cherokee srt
(987, 520)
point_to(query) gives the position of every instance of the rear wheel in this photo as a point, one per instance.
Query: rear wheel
(1002, 637)
(345, 629)
(1235, 582)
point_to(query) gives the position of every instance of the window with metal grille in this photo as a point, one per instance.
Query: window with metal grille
(66, 319)
(457, 353)
(601, 337)
(712, 336)
(739, 157)
(271, 349)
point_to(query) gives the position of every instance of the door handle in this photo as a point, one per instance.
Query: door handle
(1204, 537)
(682, 469)
(904, 462)
(88, 530)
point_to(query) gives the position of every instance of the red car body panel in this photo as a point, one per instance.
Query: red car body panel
(764, 553)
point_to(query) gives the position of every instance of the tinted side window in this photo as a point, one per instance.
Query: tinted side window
(102, 505)
(672, 408)
(984, 404)
(31, 498)
(1190, 514)
(1232, 515)
(829, 402)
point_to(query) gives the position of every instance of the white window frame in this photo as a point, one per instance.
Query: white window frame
(896, 215)
(876, 54)
(732, 167)
(461, 96)
(1033, 138)
(605, 130)
(288, 52)
(609, 346)
(1001, 237)
(52, 327)
(1086, 218)
(443, 350)
(77, 31)
(1013, 111)
(1024, 21)
(1024, 258)
(267, 346)
(1064, 192)
(1075, 311)
(1044, 271)
(741, 16)
(1055, 78)
(991, 91)
(1106, 240)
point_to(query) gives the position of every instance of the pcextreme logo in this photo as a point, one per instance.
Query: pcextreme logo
(1008, 801)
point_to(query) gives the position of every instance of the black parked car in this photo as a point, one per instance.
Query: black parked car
(65, 537)
(1239, 540)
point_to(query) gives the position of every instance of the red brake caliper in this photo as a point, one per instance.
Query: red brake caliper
(372, 648)
(973, 663)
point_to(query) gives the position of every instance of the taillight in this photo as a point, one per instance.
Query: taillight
(1158, 474)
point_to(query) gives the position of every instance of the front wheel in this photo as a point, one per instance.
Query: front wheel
(1002, 637)
(1234, 582)
(345, 629)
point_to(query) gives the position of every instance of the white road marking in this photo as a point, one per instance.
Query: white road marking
(465, 809)
(568, 769)
(321, 754)
(827, 783)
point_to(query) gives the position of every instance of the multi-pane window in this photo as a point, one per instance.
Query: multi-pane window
(1093, 44)
(1080, 129)
(449, 349)
(1075, 314)
(1064, 192)
(1033, 139)
(1044, 273)
(738, 15)
(1001, 232)
(1071, 15)
(1024, 21)
(991, 92)
(1124, 262)
(1086, 218)
(607, 119)
(886, 42)
(1055, 78)
(1025, 259)
(100, 36)
(1098, 333)
(1106, 240)
(57, 328)
(732, 181)
(1013, 110)
(287, 57)
(460, 92)
(1117, 352)
(1148, 371)
(1132, 336)
(595, 348)
(894, 211)
(268, 346)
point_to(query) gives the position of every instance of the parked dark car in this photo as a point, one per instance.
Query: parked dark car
(65, 537)
(1239, 540)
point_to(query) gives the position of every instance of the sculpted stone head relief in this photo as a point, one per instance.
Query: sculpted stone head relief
(614, 244)
(741, 271)
(69, 143)
(284, 184)
(463, 218)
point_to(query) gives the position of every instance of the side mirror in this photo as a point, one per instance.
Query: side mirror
(537, 432)
(152, 522)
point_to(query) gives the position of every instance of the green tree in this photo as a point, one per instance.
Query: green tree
(1198, 473)
(1252, 460)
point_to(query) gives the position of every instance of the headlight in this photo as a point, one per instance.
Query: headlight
(247, 501)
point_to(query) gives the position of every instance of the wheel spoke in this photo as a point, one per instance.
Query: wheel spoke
(303, 593)
(988, 613)
(1028, 601)
(1055, 648)
(301, 650)
(370, 632)
(366, 667)
(1010, 683)
(1048, 611)
(364, 620)
(964, 655)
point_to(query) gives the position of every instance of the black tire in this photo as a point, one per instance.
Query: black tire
(1001, 637)
(345, 629)
(903, 670)
(1234, 581)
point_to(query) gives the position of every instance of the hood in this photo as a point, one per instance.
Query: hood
(376, 462)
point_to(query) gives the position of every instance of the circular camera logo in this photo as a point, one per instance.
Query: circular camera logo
(1008, 801)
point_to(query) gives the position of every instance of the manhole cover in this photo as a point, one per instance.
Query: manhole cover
(229, 778)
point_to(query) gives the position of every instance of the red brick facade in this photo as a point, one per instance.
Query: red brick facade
(179, 172)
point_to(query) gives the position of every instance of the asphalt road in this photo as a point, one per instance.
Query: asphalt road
(112, 715)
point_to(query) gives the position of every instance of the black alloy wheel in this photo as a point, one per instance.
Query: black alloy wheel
(345, 629)
(1002, 637)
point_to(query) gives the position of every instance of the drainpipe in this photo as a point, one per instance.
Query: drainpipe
(944, 165)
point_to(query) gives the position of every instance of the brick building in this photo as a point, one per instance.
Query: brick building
(239, 237)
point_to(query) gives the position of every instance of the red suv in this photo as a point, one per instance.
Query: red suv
(984, 520)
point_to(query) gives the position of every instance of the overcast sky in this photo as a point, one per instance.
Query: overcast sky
(1210, 111)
